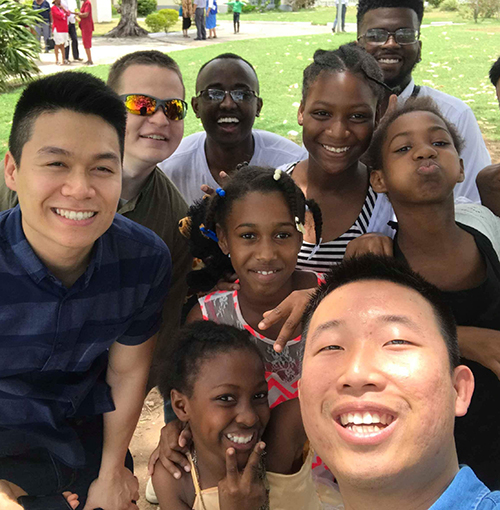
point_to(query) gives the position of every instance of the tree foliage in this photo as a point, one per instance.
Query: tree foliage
(18, 46)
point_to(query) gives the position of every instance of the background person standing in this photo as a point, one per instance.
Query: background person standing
(187, 14)
(211, 18)
(59, 30)
(341, 11)
(43, 27)
(199, 19)
(87, 27)
(70, 5)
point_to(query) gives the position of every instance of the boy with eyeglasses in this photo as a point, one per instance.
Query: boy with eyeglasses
(390, 31)
(227, 102)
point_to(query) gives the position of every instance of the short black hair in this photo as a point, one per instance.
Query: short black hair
(247, 179)
(195, 343)
(145, 58)
(74, 91)
(418, 104)
(382, 268)
(495, 72)
(227, 56)
(348, 57)
(368, 5)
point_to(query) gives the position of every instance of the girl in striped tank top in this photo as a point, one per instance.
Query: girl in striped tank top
(258, 220)
(341, 95)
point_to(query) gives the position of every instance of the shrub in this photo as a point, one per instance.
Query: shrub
(145, 7)
(483, 8)
(435, 3)
(248, 8)
(18, 46)
(162, 20)
(449, 5)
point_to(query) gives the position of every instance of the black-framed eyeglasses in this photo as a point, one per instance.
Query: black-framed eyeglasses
(142, 104)
(218, 95)
(380, 36)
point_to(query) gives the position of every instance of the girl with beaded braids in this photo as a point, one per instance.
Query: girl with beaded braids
(258, 220)
(341, 97)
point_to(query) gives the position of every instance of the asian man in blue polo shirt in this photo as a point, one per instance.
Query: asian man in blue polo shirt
(81, 300)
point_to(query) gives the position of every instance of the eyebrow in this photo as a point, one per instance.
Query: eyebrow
(431, 129)
(58, 151)
(326, 326)
(252, 225)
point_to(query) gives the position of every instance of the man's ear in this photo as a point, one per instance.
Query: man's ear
(377, 181)
(259, 106)
(180, 405)
(194, 104)
(300, 114)
(463, 382)
(462, 171)
(10, 171)
(221, 235)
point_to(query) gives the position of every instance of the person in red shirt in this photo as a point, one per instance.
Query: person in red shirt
(59, 30)
(87, 27)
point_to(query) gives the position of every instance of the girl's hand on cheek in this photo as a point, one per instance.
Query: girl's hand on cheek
(243, 491)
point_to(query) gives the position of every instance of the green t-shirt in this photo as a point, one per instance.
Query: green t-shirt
(237, 6)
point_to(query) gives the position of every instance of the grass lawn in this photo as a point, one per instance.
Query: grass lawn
(455, 59)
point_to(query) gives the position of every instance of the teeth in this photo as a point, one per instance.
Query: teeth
(388, 60)
(265, 273)
(73, 215)
(365, 418)
(239, 439)
(228, 120)
(364, 430)
(335, 149)
(155, 137)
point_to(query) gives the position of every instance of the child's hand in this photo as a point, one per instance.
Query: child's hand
(292, 308)
(223, 179)
(243, 491)
(175, 441)
(373, 242)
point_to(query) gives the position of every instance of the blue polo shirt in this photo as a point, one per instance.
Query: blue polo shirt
(54, 341)
(466, 492)
(44, 9)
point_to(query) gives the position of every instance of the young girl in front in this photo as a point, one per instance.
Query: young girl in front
(341, 96)
(416, 157)
(216, 382)
(258, 220)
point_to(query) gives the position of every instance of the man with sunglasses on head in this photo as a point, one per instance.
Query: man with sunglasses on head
(227, 102)
(390, 31)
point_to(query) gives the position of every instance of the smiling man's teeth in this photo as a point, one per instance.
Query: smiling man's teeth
(265, 273)
(228, 120)
(155, 137)
(239, 439)
(73, 215)
(388, 60)
(338, 150)
(350, 419)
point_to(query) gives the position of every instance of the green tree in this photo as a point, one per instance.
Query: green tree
(18, 46)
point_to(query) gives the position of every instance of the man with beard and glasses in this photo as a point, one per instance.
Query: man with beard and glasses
(227, 102)
(390, 31)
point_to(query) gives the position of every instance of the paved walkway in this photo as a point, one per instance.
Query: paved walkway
(106, 51)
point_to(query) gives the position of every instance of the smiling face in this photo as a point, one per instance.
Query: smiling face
(421, 163)
(227, 123)
(228, 407)
(377, 395)
(68, 182)
(150, 139)
(396, 61)
(338, 119)
(261, 237)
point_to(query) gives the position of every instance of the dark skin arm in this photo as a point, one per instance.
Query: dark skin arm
(488, 184)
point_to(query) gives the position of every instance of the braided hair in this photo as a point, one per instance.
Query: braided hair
(192, 345)
(348, 57)
(267, 180)
(369, 5)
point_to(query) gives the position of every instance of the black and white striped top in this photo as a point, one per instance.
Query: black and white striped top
(332, 252)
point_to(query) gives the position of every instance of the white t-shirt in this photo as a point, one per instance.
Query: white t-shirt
(188, 168)
(71, 6)
(475, 154)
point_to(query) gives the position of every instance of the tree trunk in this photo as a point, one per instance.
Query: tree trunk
(128, 26)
